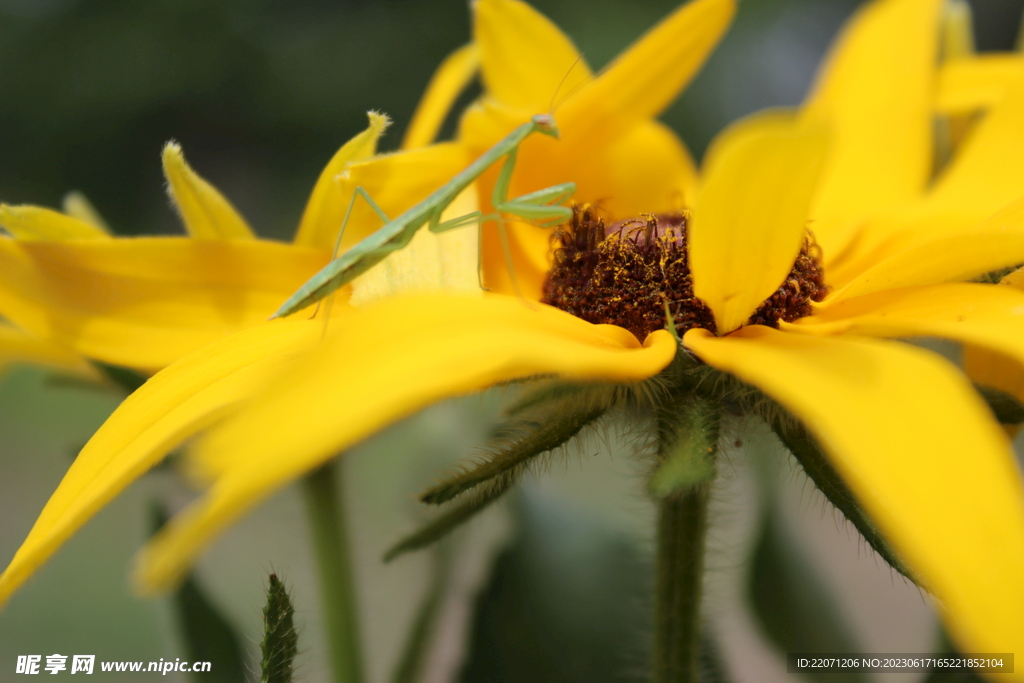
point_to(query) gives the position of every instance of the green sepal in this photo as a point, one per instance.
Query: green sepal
(794, 605)
(206, 635)
(280, 640)
(509, 460)
(687, 447)
(455, 517)
(818, 468)
(1006, 408)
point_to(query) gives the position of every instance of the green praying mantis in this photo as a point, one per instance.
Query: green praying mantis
(543, 207)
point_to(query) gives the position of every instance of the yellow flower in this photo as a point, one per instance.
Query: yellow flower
(902, 426)
(144, 302)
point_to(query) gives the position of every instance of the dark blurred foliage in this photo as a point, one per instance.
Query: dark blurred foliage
(261, 92)
(567, 601)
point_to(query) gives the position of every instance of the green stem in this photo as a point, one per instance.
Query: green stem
(323, 489)
(682, 523)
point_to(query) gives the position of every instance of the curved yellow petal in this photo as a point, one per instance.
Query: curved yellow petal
(145, 302)
(524, 57)
(990, 316)
(17, 346)
(327, 204)
(396, 182)
(947, 256)
(206, 213)
(172, 406)
(922, 454)
(981, 82)
(77, 205)
(875, 93)
(39, 223)
(751, 218)
(390, 360)
(448, 82)
(650, 74)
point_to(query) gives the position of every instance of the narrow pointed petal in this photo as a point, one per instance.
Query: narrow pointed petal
(990, 316)
(145, 302)
(17, 346)
(396, 182)
(524, 56)
(950, 254)
(172, 406)
(39, 223)
(920, 451)
(981, 82)
(327, 204)
(875, 93)
(650, 74)
(372, 374)
(448, 82)
(206, 213)
(77, 205)
(751, 219)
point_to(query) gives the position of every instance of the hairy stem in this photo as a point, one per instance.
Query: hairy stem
(682, 523)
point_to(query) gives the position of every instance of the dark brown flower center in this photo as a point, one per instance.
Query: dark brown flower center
(625, 273)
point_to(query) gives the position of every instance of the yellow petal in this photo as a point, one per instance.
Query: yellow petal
(650, 74)
(989, 316)
(206, 213)
(987, 173)
(981, 82)
(922, 454)
(750, 220)
(38, 223)
(957, 30)
(875, 93)
(77, 205)
(145, 302)
(948, 256)
(448, 82)
(17, 346)
(523, 56)
(390, 360)
(992, 369)
(446, 261)
(396, 182)
(172, 406)
(327, 204)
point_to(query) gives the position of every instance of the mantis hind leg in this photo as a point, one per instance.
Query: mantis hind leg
(357, 192)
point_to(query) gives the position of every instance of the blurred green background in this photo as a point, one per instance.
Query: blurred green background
(261, 93)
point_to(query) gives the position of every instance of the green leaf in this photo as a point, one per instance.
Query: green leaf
(416, 642)
(280, 640)
(793, 604)
(206, 635)
(453, 518)
(509, 459)
(818, 468)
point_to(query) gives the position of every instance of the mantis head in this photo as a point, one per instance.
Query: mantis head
(545, 123)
